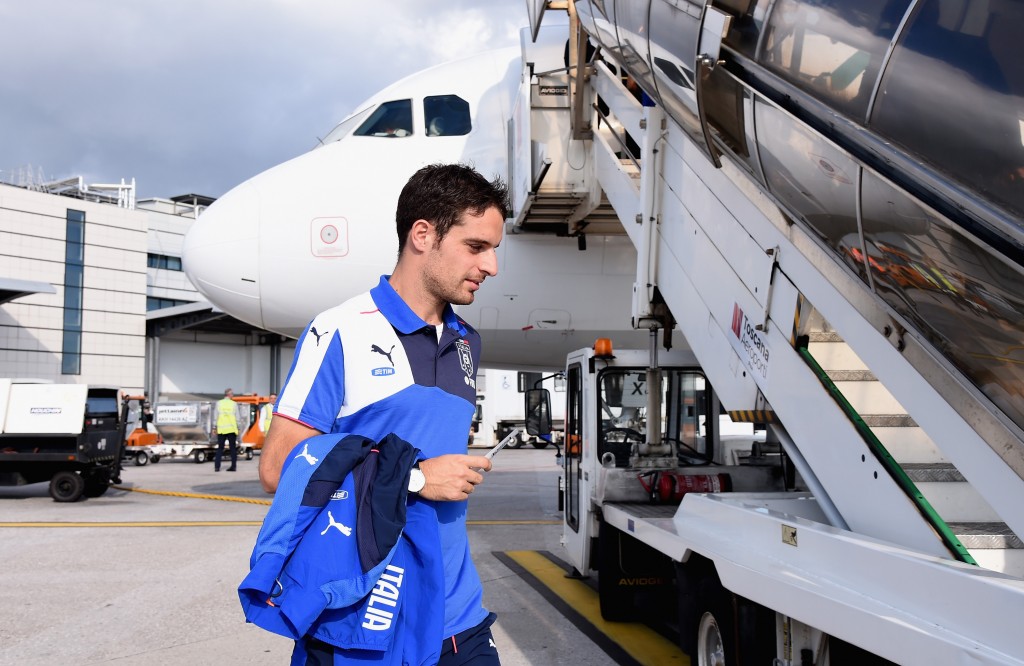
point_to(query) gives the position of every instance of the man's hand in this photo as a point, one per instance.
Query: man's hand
(452, 477)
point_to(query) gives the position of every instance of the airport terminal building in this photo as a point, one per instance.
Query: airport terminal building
(92, 291)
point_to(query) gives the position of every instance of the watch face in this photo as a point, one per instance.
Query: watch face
(416, 480)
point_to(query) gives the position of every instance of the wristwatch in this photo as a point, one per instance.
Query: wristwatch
(416, 479)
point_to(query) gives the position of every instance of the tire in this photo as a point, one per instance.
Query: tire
(199, 456)
(710, 643)
(67, 486)
(155, 458)
(727, 629)
(713, 643)
(249, 454)
(141, 459)
(97, 484)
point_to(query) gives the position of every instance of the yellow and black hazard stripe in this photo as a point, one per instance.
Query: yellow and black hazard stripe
(752, 416)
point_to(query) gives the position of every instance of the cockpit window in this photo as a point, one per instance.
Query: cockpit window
(342, 129)
(953, 92)
(390, 119)
(446, 115)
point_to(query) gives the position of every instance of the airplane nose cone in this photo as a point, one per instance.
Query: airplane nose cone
(221, 254)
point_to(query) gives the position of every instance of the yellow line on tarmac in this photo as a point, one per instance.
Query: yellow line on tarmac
(643, 644)
(172, 493)
(266, 502)
(147, 523)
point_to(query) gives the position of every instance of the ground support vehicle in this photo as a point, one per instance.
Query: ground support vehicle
(141, 444)
(186, 430)
(832, 278)
(505, 426)
(68, 434)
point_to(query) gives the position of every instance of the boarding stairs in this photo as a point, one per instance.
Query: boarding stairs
(988, 539)
(715, 245)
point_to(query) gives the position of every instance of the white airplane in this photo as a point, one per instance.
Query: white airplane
(310, 233)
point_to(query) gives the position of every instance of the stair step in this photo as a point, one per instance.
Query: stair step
(888, 420)
(905, 441)
(851, 375)
(986, 536)
(949, 493)
(869, 397)
(833, 353)
(932, 472)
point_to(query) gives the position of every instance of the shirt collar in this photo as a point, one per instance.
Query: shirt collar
(401, 316)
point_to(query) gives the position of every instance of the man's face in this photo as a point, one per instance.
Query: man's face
(458, 265)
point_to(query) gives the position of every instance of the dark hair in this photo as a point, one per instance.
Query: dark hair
(441, 193)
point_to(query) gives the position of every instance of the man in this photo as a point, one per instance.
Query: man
(267, 414)
(226, 429)
(398, 360)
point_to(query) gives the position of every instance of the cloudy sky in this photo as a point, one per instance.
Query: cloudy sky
(195, 96)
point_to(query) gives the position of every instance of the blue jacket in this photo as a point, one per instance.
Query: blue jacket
(341, 557)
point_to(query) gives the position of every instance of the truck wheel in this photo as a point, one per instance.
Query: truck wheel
(67, 486)
(200, 456)
(155, 458)
(248, 454)
(730, 629)
(517, 442)
(141, 459)
(710, 647)
(97, 484)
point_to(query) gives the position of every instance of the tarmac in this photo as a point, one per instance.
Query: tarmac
(147, 573)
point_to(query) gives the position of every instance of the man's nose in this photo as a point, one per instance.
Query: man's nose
(489, 262)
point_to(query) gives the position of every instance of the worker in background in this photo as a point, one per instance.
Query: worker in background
(226, 429)
(267, 413)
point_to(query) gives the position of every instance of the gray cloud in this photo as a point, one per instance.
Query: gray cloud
(196, 96)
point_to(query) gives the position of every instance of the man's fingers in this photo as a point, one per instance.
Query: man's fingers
(479, 462)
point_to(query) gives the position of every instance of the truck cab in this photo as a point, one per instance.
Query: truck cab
(619, 455)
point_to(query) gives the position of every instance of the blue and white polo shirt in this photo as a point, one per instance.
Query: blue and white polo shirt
(371, 366)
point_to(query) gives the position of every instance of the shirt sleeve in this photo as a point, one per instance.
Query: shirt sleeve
(314, 391)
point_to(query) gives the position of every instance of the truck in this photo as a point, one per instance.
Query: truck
(499, 408)
(674, 514)
(68, 434)
(807, 263)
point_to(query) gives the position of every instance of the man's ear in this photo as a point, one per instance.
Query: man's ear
(421, 235)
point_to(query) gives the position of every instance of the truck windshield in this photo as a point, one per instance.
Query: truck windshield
(625, 421)
(96, 405)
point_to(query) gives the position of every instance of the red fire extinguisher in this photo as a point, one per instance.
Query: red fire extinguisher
(665, 486)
